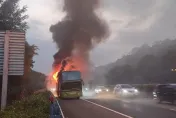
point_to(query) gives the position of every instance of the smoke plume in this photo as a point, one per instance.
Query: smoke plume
(79, 30)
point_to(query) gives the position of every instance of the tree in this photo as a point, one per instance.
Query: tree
(153, 64)
(30, 52)
(12, 17)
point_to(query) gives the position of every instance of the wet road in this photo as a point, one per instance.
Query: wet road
(114, 108)
(136, 110)
(84, 109)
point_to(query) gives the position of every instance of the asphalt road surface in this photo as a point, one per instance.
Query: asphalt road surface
(115, 108)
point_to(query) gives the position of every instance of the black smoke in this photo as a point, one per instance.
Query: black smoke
(80, 29)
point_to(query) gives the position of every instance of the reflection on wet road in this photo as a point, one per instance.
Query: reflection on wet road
(108, 106)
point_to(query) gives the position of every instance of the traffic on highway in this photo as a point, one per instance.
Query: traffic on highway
(103, 102)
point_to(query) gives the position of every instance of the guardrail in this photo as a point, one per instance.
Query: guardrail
(55, 109)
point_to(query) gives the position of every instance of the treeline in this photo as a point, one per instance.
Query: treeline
(13, 18)
(145, 65)
(36, 80)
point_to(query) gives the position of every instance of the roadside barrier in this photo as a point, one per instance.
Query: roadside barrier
(55, 109)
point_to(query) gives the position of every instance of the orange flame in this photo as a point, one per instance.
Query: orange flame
(55, 76)
(73, 63)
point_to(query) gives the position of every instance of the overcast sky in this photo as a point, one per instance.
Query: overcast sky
(132, 23)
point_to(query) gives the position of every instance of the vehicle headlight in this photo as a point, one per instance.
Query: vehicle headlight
(107, 90)
(97, 90)
(154, 94)
(136, 91)
(124, 91)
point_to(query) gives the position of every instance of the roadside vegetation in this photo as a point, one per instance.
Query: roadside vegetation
(35, 106)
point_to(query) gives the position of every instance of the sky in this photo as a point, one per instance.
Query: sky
(131, 22)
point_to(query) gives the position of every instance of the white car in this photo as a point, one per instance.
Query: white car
(125, 90)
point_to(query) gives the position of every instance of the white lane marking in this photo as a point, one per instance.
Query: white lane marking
(108, 109)
(172, 109)
(60, 110)
(165, 107)
(153, 105)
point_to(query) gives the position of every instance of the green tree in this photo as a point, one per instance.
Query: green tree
(12, 17)
(153, 64)
(30, 52)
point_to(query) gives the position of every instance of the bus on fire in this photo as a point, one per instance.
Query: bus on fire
(69, 84)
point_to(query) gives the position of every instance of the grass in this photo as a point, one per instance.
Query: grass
(35, 106)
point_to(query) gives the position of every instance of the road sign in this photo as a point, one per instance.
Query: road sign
(12, 49)
(16, 50)
(16, 53)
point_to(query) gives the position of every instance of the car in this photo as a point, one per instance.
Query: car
(101, 90)
(165, 92)
(125, 90)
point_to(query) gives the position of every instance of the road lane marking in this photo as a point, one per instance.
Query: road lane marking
(108, 109)
(152, 105)
(60, 109)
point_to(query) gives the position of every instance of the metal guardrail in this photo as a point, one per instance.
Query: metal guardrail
(55, 109)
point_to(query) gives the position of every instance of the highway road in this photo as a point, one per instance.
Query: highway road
(115, 108)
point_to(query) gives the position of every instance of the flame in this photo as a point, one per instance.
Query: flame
(55, 76)
(73, 63)
(55, 73)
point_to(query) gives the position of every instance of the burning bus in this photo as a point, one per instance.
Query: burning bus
(70, 84)
(69, 80)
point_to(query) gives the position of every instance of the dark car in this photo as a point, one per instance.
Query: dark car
(165, 92)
